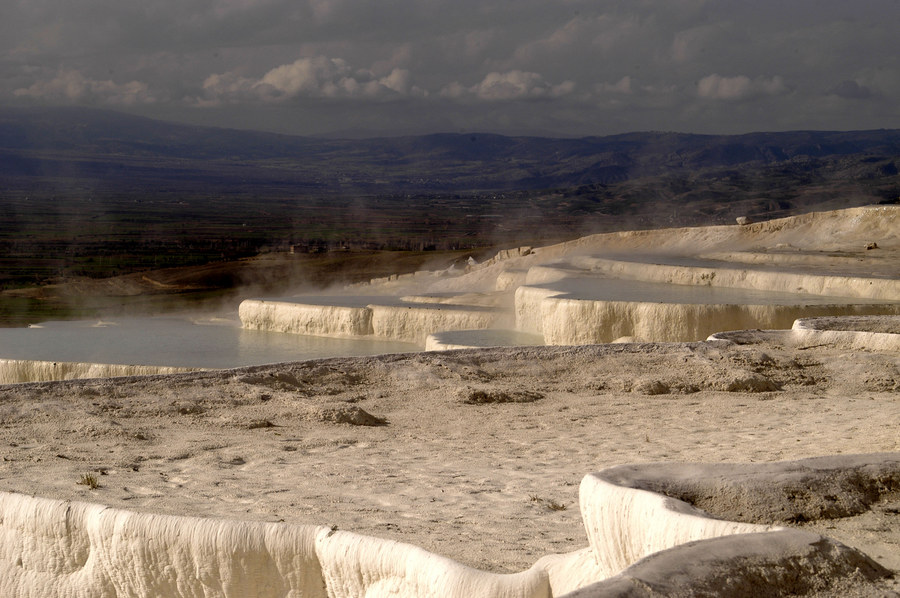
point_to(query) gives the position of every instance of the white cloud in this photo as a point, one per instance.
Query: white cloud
(309, 76)
(716, 87)
(72, 86)
(397, 80)
(511, 85)
(317, 77)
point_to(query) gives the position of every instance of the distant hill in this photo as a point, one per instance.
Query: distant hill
(115, 149)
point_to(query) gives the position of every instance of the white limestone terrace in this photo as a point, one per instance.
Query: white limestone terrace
(861, 332)
(380, 317)
(788, 277)
(643, 540)
(646, 532)
(656, 285)
(581, 309)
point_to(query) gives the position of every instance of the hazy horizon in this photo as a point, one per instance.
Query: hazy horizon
(363, 134)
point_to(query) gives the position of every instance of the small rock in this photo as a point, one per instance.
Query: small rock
(743, 220)
(872, 245)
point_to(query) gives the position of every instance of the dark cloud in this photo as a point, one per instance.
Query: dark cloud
(567, 67)
(851, 90)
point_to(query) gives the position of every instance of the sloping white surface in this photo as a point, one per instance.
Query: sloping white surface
(625, 524)
(810, 331)
(355, 566)
(56, 549)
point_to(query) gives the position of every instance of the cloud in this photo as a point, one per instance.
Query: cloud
(72, 86)
(511, 85)
(556, 41)
(716, 87)
(572, 66)
(625, 85)
(586, 48)
(317, 77)
(851, 90)
(692, 44)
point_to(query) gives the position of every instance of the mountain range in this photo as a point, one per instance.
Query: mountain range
(111, 149)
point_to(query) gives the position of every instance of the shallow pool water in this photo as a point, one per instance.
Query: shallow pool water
(181, 341)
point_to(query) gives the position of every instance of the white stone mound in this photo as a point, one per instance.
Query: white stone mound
(641, 542)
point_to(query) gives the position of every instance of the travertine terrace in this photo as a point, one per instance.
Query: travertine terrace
(661, 285)
(762, 460)
(655, 286)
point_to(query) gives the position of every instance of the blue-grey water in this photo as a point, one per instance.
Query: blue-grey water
(181, 341)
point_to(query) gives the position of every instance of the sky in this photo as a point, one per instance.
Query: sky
(522, 67)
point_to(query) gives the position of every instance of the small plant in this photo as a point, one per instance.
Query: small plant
(90, 480)
(555, 506)
(550, 504)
